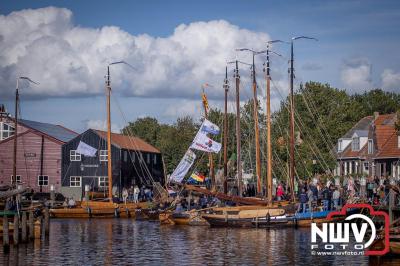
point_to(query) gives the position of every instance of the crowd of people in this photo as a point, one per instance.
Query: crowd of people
(136, 194)
(333, 193)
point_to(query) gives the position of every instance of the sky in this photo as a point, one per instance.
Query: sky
(176, 46)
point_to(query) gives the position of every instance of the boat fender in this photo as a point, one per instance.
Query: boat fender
(268, 218)
(127, 212)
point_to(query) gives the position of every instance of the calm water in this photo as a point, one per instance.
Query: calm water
(129, 242)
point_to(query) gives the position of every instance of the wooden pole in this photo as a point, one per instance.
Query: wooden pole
(23, 227)
(14, 177)
(46, 221)
(226, 87)
(31, 226)
(109, 155)
(6, 237)
(269, 148)
(256, 131)
(16, 229)
(238, 137)
(291, 161)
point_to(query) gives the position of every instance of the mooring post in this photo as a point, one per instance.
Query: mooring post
(16, 229)
(46, 221)
(23, 227)
(31, 226)
(6, 238)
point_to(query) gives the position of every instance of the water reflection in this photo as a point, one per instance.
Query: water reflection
(119, 241)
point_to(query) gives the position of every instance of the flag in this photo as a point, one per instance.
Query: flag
(203, 143)
(86, 149)
(205, 101)
(197, 177)
(183, 166)
(209, 127)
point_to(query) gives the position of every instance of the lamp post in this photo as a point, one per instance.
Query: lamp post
(14, 178)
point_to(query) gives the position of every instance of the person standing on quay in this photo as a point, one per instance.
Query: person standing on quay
(136, 192)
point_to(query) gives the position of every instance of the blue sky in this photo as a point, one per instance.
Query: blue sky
(357, 50)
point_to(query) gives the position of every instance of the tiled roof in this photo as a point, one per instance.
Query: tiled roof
(386, 136)
(55, 131)
(363, 124)
(384, 129)
(128, 142)
(361, 133)
(391, 148)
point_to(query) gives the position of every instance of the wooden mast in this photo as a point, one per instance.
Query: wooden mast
(256, 130)
(109, 155)
(14, 179)
(291, 162)
(226, 88)
(269, 148)
(238, 137)
(210, 157)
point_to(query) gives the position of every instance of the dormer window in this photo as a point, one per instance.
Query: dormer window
(355, 144)
(370, 146)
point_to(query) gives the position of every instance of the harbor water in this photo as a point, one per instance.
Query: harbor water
(129, 242)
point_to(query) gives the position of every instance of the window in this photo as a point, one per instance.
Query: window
(18, 179)
(75, 181)
(148, 158)
(74, 156)
(366, 166)
(133, 157)
(125, 156)
(155, 159)
(103, 181)
(370, 146)
(355, 144)
(6, 130)
(43, 180)
(340, 148)
(103, 155)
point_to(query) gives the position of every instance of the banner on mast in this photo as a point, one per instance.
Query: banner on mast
(86, 149)
(209, 127)
(203, 143)
(183, 166)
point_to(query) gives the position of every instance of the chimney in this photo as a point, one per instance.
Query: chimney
(376, 114)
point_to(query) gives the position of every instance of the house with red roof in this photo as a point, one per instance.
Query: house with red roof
(370, 148)
(134, 162)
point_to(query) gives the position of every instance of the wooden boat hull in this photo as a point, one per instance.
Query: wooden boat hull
(82, 213)
(147, 215)
(165, 218)
(240, 216)
(297, 220)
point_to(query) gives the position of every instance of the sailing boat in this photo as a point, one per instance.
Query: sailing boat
(101, 209)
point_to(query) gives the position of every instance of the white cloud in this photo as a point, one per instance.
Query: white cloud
(356, 74)
(390, 80)
(102, 125)
(70, 60)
